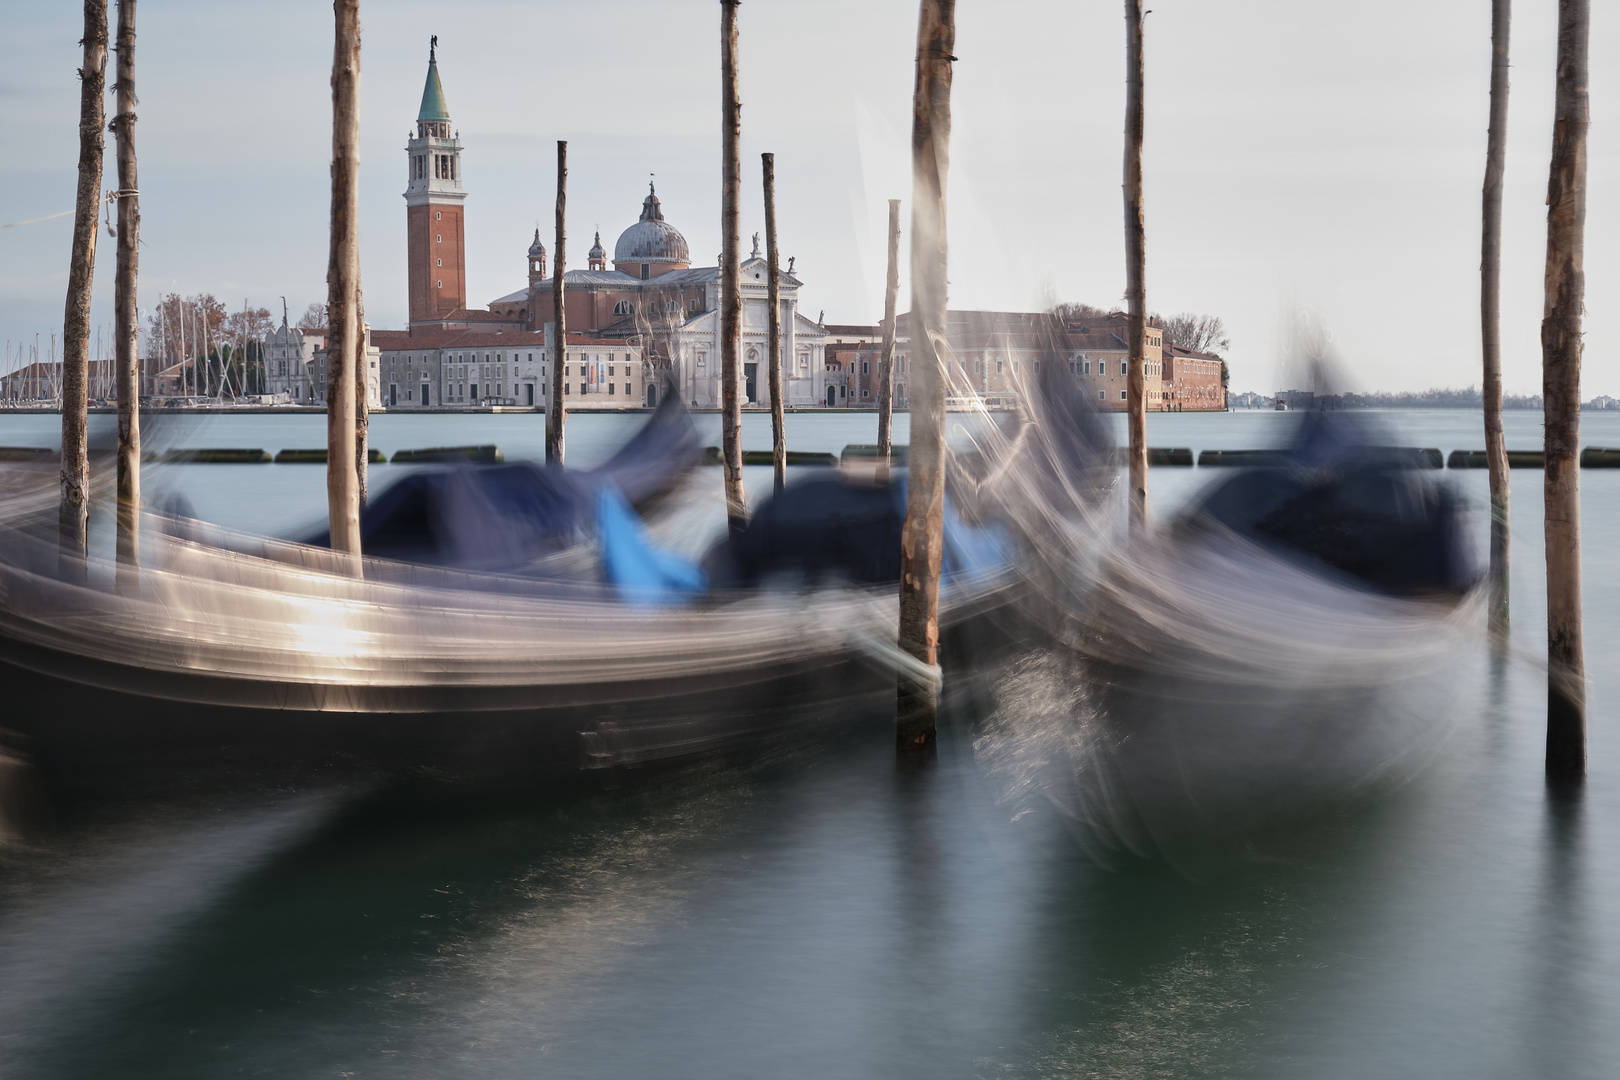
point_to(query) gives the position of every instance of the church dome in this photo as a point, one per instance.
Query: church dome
(596, 254)
(652, 239)
(537, 250)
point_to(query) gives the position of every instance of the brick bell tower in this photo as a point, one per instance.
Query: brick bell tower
(433, 207)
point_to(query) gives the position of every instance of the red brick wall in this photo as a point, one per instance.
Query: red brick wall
(435, 236)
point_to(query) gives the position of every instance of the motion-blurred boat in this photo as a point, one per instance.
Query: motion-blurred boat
(476, 654)
(1289, 640)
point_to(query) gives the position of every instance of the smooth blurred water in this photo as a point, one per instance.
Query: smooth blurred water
(818, 912)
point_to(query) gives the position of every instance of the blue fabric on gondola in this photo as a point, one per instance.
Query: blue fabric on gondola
(644, 573)
(970, 550)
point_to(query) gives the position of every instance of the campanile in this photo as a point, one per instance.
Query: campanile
(436, 246)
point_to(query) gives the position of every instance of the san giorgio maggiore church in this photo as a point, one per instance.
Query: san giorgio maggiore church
(641, 325)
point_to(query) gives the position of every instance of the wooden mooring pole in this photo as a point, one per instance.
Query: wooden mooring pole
(1490, 293)
(774, 299)
(730, 272)
(75, 506)
(345, 350)
(922, 540)
(891, 289)
(1561, 398)
(126, 315)
(557, 413)
(1135, 270)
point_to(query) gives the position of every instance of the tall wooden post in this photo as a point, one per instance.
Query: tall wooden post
(1490, 292)
(345, 348)
(1561, 398)
(126, 315)
(557, 413)
(774, 299)
(1135, 269)
(75, 507)
(922, 540)
(362, 397)
(730, 272)
(891, 289)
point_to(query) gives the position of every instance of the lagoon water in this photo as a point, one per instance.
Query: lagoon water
(816, 912)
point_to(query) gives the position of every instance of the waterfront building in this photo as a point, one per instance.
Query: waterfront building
(447, 368)
(289, 362)
(317, 368)
(995, 354)
(652, 295)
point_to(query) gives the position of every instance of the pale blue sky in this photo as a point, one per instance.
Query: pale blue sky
(1321, 153)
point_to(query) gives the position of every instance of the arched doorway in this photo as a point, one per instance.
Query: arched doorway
(652, 395)
(832, 396)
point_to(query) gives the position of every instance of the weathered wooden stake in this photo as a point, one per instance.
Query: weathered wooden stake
(557, 413)
(1135, 269)
(362, 396)
(730, 272)
(126, 315)
(774, 299)
(891, 290)
(1490, 293)
(922, 540)
(345, 350)
(75, 507)
(1561, 398)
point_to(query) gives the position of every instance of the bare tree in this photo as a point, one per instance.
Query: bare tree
(730, 271)
(313, 318)
(774, 295)
(922, 539)
(345, 349)
(1196, 333)
(558, 412)
(891, 289)
(1561, 397)
(1075, 310)
(1135, 269)
(75, 507)
(125, 313)
(1490, 294)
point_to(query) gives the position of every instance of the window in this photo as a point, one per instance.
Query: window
(1122, 395)
(1100, 395)
(439, 239)
(866, 367)
(1087, 365)
(612, 391)
(624, 307)
(582, 389)
(440, 262)
(437, 215)
(645, 274)
(998, 365)
(978, 365)
(692, 306)
(438, 285)
(610, 371)
(1124, 367)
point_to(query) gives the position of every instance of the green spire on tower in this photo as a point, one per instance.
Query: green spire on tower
(433, 107)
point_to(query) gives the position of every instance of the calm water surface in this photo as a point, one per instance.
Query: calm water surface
(816, 912)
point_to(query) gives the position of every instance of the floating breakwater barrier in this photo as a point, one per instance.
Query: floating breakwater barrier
(318, 457)
(482, 455)
(28, 453)
(1516, 459)
(863, 452)
(711, 456)
(209, 457)
(1401, 457)
(1600, 457)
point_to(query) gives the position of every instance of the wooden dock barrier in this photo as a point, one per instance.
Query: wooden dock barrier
(29, 453)
(479, 455)
(863, 452)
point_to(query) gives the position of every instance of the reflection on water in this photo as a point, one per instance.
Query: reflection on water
(816, 912)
